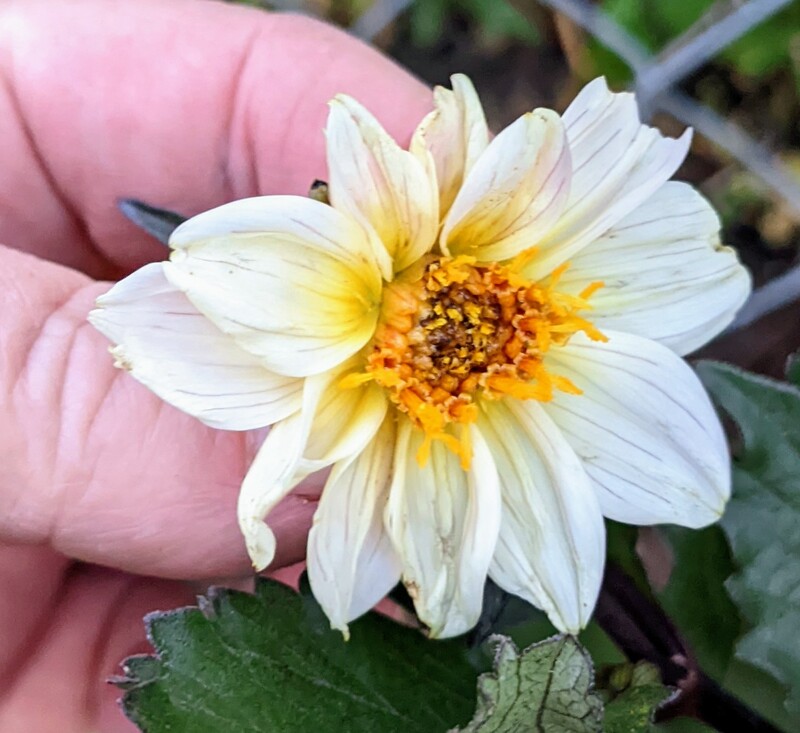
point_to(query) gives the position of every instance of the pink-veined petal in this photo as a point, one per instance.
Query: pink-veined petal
(617, 164)
(175, 351)
(390, 191)
(645, 430)
(292, 280)
(455, 134)
(666, 275)
(514, 192)
(351, 562)
(443, 522)
(551, 548)
(332, 425)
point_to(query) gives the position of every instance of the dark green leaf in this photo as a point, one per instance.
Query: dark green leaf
(695, 597)
(263, 662)
(546, 688)
(762, 520)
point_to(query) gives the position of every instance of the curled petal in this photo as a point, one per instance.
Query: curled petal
(551, 548)
(351, 562)
(292, 280)
(272, 475)
(455, 134)
(645, 429)
(617, 164)
(173, 349)
(514, 193)
(390, 191)
(665, 273)
(332, 425)
(443, 522)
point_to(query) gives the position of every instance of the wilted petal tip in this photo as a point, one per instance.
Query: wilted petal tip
(260, 542)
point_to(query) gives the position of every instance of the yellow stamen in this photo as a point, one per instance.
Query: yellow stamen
(453, 331)
(591, 289)
(523, 258)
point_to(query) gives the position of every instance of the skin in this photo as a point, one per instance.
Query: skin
(185, 104)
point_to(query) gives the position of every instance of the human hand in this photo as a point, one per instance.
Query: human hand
(185, 105)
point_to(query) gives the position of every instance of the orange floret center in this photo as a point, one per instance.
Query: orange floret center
(452, 331)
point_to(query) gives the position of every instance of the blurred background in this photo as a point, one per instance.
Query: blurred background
(728, 68)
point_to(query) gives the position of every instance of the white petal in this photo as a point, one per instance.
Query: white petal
(291, 279)
(455, 133)
(443, 523)
(332, 425)
(551, 548)
(514, 193)
(275, 471)
(373, 180)
(310, 222)
(617, 163)
(645, 429)
(344, 423)
(173, 349)
(666, 274)
(272, 475)
(351, 562)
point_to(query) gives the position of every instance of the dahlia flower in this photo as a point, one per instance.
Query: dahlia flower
(480, 337)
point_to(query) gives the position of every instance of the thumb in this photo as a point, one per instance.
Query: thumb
(95, 464)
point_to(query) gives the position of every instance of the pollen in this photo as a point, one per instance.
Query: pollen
(453, 332)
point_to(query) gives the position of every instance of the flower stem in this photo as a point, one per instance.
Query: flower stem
(641, 629)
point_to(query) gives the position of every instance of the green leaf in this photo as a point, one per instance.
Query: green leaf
(762, 520)
(633, 710)
(638, 692)
(760, 51)
(632, 16)
(766, 47)
(695, 596)
(760, 691)
(426, 21)
(498, 19)
(672, 19)
(263, 662)
(546, 688)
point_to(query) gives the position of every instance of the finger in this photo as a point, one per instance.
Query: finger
(18, 564)
(96, 465)
(93, 622)
(184, 104)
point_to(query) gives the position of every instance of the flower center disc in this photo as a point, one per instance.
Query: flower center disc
(452, 331)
